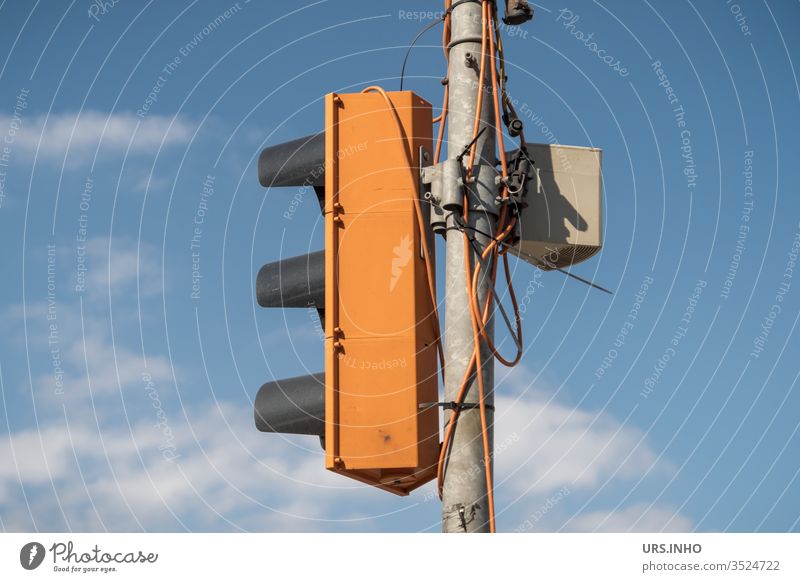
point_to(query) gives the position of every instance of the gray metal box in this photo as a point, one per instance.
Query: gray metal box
(562, 224)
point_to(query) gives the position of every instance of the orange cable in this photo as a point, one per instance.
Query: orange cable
(476, 356)
(505, 226)
(465, 382)
(501, 224)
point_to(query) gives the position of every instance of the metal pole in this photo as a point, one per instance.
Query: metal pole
(464, 494)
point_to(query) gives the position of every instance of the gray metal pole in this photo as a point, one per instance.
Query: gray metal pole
(464, 495)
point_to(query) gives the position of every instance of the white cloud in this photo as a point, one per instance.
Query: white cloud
(553, 459)
(635, 518)
(89, 364)
(543, 445)
(120, 268)
(145, 180)
(222, 477)
(110, 370)
(550, 445)
(79, 134)
(228, 476)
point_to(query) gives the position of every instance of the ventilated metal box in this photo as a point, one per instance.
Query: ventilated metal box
(562, 224)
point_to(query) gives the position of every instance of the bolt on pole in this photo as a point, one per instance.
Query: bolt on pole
(464, 493)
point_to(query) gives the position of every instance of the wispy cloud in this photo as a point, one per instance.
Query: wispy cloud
(551, 444)
(115, 265)
(79, 135)
(98, 369)
(225, 476)
(640, 517)
(557, 463)
(109, 471)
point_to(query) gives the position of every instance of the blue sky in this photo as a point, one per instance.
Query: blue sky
(127, 402)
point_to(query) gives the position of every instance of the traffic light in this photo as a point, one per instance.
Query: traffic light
(375, 289)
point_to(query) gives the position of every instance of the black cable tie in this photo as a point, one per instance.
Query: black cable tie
(452, 405)
(468, 147)
(459, 2)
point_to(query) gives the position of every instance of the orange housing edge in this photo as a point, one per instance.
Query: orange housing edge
(380, 346)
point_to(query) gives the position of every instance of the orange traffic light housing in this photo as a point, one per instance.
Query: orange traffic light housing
(380, 334)
(379, 317)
